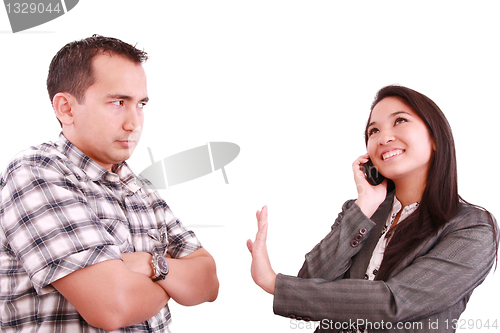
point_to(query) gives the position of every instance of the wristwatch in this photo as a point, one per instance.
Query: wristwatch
(160, 267)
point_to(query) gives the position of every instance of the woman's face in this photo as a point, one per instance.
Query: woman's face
(399, 143)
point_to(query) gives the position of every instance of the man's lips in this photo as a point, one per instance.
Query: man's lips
(127, 143)
(387, 154)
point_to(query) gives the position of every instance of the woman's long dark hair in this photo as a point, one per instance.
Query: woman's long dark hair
(440, 200)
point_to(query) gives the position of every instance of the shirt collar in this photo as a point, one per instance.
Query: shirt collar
(407, 210)
(93, 171)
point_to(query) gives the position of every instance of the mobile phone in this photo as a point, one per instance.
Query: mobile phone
(371, 173)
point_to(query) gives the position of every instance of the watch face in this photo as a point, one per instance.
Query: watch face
(162, 265)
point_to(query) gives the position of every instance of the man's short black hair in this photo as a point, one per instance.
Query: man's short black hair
(70, 70)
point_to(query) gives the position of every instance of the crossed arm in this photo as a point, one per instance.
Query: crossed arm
(191, 280)
(116, 293)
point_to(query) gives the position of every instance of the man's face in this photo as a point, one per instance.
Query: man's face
(108, 125)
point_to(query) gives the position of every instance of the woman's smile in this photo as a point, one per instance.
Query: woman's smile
(391, 153)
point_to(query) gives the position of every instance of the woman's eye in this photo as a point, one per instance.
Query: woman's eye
(400, 120)
(372, 131)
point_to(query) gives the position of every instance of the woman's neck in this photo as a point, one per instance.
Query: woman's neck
(411, 190)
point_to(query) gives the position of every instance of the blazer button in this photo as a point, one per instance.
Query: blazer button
(354, 243)
(306, 319)
(291, 316)
(358, 237)
(362, 231)
(299, 318)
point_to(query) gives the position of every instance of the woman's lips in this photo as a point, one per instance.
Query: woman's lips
(391, 153)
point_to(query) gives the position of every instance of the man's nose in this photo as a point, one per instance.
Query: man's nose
(132, 119)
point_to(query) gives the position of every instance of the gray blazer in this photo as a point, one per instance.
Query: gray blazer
(427, 292)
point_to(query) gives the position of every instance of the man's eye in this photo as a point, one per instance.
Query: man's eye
(141, 105)
(117, 103)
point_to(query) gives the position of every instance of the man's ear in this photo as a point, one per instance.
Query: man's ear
(63, 104)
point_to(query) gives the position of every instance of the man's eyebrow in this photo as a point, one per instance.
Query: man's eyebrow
(125, 97)
(392, 115)
(118, 96)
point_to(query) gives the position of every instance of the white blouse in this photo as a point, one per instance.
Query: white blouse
(378, 252)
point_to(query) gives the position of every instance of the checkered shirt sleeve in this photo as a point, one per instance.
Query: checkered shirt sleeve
(49, 225)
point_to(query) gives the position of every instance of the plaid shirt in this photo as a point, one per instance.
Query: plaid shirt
(59, 212)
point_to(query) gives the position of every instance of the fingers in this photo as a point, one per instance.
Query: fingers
(359, 175)
(262, 217)
(261, 236)
(363, 158)
(357, 164)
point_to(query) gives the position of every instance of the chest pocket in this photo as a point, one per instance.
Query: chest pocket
(120, 231)
(158, 241)
(151, 240)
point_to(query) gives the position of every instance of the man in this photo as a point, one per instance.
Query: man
(83, 247)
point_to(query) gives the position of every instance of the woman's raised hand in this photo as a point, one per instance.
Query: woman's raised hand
(262, 272)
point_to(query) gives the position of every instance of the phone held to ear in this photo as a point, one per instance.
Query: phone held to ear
(371, 173)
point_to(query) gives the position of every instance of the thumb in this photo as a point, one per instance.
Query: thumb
(249, 245)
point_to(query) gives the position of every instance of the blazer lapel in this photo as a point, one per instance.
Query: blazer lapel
(361, 260)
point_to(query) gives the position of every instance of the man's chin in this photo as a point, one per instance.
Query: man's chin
(131, 150)
(124, 157)
(121, 156)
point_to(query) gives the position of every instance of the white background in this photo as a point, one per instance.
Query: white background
(290, 82)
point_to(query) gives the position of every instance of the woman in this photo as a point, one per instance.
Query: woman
(406, 254)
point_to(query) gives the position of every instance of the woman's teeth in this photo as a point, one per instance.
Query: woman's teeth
(391, 153)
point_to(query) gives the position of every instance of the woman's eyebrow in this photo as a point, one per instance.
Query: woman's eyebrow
(392, 115)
